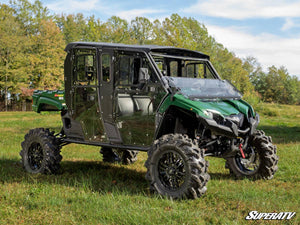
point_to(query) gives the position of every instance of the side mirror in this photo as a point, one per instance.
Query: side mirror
(143, 75)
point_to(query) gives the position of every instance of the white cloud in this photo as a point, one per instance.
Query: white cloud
(237, 9)
(289, 24)
(72, 6)
(133, 13)
(100, 7)
(268, 49)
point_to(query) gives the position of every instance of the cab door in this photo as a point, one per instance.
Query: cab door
(85, 107)
(137, 99)
(106, 93)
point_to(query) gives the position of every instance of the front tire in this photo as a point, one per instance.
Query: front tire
(260, 162)
(176, 167)
(41, 152)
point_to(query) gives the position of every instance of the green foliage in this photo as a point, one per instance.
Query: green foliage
(141, 29)
(32, 43)
(12, 55)
(31, 49)
(253, 98)
(73, 26)
(116, 30)
(46, 56)
(30, 15)
(274, 86)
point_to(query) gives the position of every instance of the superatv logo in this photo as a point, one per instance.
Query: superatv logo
(254, 215)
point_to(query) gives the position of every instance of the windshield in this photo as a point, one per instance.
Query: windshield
(204, 89)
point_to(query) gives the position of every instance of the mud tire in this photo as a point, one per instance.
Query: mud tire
(41, 152)
(176, 167)
(266, 162)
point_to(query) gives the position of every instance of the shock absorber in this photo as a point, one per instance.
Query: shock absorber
(241, 150)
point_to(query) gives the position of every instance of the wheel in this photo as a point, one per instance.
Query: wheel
(125, 157)
(260, 159)
(176, 167)
(41, 152)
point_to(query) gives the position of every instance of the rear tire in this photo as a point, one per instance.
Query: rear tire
(125, 157)
(260, 162)
(176, 167)
(41, 152)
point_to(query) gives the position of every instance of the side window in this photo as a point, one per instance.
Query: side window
(194, 70)
(174, 68)
(106, 61)
(85, 72)
(197, 70)
(208, 73)
(152, 74)
(124, 70)
(129, 69)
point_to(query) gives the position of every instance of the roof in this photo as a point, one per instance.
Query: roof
(146, 48)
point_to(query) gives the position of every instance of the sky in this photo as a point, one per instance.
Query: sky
(268, 30)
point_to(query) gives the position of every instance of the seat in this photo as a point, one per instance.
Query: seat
(126, 105)
(143, 104)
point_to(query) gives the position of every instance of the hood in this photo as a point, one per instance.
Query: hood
(224, 107)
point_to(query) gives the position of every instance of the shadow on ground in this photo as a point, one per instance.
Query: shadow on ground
(95, 175)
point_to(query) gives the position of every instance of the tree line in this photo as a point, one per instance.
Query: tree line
(32, 42)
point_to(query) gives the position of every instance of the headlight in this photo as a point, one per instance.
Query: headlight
(210, 113)
(238, 119)
(215, 115)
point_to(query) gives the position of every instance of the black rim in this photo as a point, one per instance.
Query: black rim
(35, 156)
(250, 164)
(171, 170)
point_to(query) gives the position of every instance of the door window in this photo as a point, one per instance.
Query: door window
(106, 73)
(85, 67)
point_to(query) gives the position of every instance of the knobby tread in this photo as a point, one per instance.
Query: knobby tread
(268, 158)
(193, 156)
(50, 147)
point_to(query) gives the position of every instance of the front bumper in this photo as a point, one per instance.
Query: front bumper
(230, 130)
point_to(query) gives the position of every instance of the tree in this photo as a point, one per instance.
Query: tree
(31, 49)
(32, 42)
(45, 61)
(43, 48)
(30, 15)
(73, 27)
(116, 30)
(293, 85)
(141, 30)
(94, 30)
(12, 58)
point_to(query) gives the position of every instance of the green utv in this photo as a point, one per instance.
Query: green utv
(48, 100)
(167, 101)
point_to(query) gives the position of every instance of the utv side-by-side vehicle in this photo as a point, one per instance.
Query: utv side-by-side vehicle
(167, 101)
(48, 100)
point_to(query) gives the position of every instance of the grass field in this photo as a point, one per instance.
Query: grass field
(92, 192)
